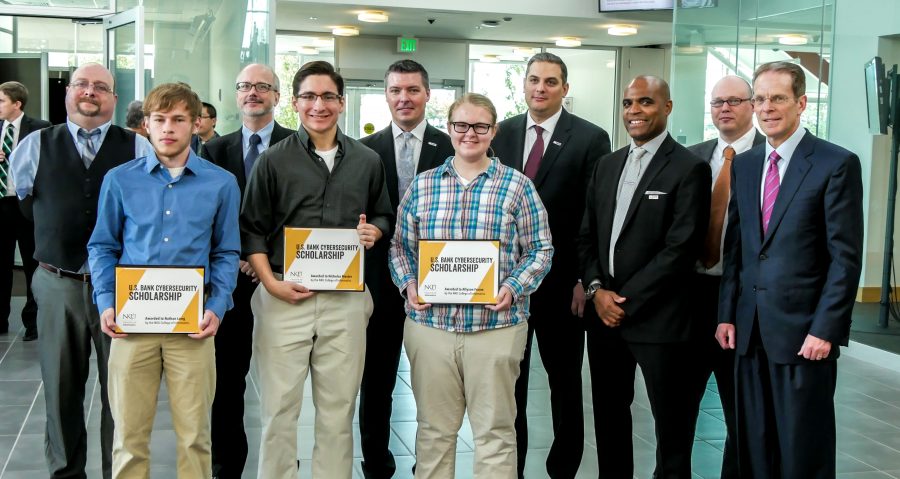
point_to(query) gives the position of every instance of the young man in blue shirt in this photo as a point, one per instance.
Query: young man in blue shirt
(168, 208)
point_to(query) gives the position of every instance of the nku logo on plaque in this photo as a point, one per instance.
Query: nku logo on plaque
(159, 299)
(324, 259)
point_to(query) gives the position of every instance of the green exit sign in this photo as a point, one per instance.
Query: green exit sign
(407, 45)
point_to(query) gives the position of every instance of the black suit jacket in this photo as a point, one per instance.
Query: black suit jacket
(706, 148)
(228, 151)
(801, 277)
(659, 244)
(436, 148)
(561, 181)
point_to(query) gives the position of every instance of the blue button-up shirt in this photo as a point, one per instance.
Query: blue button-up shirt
(145, 217)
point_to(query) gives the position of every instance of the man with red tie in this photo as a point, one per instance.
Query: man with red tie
(793, 257)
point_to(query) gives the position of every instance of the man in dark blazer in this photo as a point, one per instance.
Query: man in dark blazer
(645, 220)
(559, 163)
(793, 257)
(257, 90)
(409, 145)
(732, 115)
(15, 125)
(207, 129)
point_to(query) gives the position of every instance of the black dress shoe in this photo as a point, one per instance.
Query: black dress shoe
(30, 335)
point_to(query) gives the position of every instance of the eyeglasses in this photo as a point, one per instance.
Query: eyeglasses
(463, 127)
(246, 86)
(718, 102)
(102, 88)
(206, 117)
(326, 97)
(774, 99)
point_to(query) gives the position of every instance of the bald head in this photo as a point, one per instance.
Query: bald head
(655, 83)
(732, 121)
(90, 96)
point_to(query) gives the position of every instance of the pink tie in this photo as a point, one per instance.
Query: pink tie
(534, 156)
(770, 193)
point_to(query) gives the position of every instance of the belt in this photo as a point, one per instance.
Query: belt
(61, 273)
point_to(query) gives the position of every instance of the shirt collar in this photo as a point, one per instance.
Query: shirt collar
(653, 145)
(17, 124)
(418, 131)
(73, 130)
(448, 169)
(265, 133)
(740, 145)
(193, 164)
(549, 124)
(786, 149)
(307, 143)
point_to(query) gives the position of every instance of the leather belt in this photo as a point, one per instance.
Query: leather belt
(61, 273)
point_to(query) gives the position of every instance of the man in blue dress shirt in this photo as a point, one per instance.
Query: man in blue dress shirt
(168, 208)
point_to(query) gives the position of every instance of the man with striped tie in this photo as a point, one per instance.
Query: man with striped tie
(793, 257)
(14, 127)
(57, 174)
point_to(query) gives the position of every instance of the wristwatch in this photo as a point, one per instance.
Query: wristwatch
(592, 288)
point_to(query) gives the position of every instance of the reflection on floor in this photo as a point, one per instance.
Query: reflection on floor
(868, 408)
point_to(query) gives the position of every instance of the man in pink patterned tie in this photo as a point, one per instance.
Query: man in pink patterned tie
(793, 255)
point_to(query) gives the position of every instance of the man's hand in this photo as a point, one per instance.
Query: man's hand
(108, 323)
(607, 305)
(814, 349)
(725, 335)
(504, 300)
(368, 233)
(208, 326)
(412, 297)
(2, 157)
(248, 270)
(578, 300)
(287, 291)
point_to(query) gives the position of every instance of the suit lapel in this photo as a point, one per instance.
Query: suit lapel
(559, 138)
(517, 148)
(793, 176)
(235, 154)
(608, 189)
(427, 158)
(657, 164)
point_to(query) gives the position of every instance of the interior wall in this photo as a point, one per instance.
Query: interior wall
(366, 58)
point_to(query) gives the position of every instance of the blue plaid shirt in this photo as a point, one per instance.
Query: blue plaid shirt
(499, 203)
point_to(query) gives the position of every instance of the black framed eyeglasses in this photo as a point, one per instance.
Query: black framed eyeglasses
(463, 127)
(261, 87)
(718, 102)
(327, 97)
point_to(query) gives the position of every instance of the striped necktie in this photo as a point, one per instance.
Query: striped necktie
(89, 150)
(770, 192)
(7, 152)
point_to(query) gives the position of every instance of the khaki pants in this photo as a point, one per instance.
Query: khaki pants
(136, 364)
(325, 336)
(453, 372)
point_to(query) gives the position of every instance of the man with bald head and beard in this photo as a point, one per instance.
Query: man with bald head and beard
(257, 91)
(732, 115)
(58, 173)
(646, 215)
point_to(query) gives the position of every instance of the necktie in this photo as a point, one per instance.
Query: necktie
(88, 150)
(536, 153)
(718, 205)
(631, 174)
(406, 167)
(770, 193)
(7, 152)
(252, 154)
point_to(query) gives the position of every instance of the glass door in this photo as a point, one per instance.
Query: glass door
(123, 54)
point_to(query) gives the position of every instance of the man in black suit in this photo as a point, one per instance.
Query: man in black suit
(793, 257)
(732, 115)
(14, 127)
(207, 129)
(644, 225)
(257, 89)
(559, 160)
(407, 147)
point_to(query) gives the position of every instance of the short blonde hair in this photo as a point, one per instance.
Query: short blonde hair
(167, 96)
(475, 99)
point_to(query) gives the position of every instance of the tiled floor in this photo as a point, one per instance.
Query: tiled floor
(868, 415)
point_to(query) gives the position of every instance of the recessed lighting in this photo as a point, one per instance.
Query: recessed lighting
(490, 23)
(490, 58)
(308, 51)
(323, 42)
(313, 18)
(793, 39)
(622, 30)
(345, 31)
(373, 16)
(568, 42)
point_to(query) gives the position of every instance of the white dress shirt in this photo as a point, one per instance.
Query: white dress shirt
(17, 128)
(418, 139)
(785, 151)
(531, 135)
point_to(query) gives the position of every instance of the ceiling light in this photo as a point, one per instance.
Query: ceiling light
(490, 59)
(323, 42)
(345, 31)
(689, 49)
(373, 16)
(622, 30)
(793, 39)
(308, 51)
(568, 42)
(490, 23)
(523, 51)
